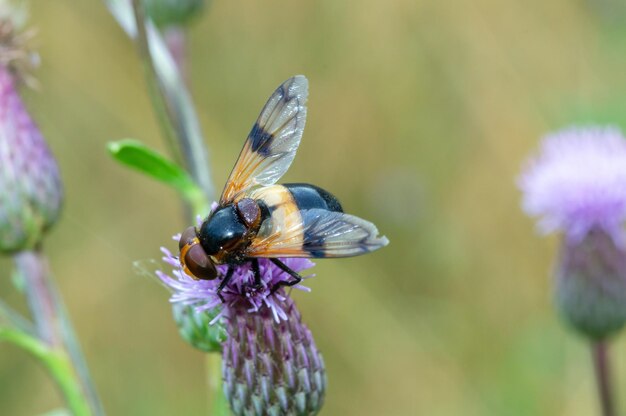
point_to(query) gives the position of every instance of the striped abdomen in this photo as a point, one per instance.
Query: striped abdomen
(283, 210)
(310, 196)
(301, 220)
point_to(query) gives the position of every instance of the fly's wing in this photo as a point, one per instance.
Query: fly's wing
(316, 233)
(273, 141)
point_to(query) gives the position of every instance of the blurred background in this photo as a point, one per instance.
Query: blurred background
(421, 114)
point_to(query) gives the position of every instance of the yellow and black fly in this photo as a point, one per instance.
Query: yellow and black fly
(256, 218)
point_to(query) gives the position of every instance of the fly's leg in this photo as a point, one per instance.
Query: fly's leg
(224, 282)
(297, 278)
(257, 273)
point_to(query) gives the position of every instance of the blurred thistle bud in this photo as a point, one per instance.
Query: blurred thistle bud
(591, 285)
(270, 362)
(31, 191)
(195, 327)
(171, 13)
(272, 367)
(577, 185)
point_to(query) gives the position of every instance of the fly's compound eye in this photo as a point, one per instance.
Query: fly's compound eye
(199, 264)
(187, 237)
(249, 212)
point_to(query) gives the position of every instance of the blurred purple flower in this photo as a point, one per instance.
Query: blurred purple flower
(578, 183)
(30, 187)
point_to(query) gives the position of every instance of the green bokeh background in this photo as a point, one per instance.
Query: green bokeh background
(420, 116)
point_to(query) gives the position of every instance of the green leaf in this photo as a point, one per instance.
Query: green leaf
(25, 341)
(56, 362)
(138, 156)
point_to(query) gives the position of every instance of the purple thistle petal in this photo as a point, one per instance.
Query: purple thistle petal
(239, 291)
(577, 183)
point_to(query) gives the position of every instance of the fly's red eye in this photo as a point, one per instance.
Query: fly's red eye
(199, 264)
(187, 238)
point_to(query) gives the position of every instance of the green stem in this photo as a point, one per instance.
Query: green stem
(172, 102)
(176, 41)
(155, 89)
(55, 330)
(217, 399)
(58, 365)
(603, 377)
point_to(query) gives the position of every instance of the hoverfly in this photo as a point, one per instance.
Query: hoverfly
(256, 218)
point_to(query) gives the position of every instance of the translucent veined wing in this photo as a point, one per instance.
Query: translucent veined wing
(316, 233)
(273, 141)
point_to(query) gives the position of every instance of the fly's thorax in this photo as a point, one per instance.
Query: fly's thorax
(221, 231)
(226, 233)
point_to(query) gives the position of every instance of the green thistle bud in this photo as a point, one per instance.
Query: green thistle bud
(591, 285)
(195, 327)
(271, 367)
(166, 13)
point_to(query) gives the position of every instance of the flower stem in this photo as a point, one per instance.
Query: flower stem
(57, 363)
(603, 377)
(176, 42)
(159, 101)
(217, 399)
(38, 293)
(172, 102)
(55, 330)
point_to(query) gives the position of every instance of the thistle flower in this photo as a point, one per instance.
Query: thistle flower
(272, 367)
(270, 362)
(31, 196)
(577, 186)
